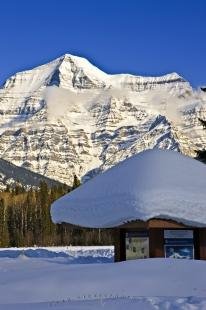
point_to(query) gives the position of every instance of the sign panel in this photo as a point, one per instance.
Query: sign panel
(177, 233)
(179, 244)
(179, 251)
(137, 245)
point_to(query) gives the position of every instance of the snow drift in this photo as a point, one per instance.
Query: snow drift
(31, 283)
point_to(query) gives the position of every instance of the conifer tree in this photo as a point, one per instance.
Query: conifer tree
(76, 182)
(4, 235)
(25, 220)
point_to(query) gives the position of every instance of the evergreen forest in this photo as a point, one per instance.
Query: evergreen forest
(25, 219)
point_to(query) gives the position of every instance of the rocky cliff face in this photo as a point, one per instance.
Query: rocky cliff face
(69, 117)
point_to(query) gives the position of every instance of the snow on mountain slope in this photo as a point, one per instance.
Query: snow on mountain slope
(69, 117)
(12, 175)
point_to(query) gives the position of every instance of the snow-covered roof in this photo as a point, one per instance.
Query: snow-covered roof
(153, 184)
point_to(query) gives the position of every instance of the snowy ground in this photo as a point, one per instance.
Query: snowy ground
(59, 282)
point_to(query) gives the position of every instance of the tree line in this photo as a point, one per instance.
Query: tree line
(25, 219)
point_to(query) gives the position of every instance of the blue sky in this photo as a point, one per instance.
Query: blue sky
(145, 37)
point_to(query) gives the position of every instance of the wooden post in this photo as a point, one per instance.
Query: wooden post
(119, 245)
(156, 242)
(202, 243)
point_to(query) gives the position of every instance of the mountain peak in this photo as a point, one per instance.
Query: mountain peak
(70, 71)
(83, 132)
(73, 58)
(76, 72)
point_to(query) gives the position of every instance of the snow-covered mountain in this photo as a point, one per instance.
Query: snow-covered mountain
(69, 117)
(12, 175)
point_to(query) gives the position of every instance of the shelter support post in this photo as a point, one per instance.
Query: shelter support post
(202, 243)
(156, 242)
(119, 245)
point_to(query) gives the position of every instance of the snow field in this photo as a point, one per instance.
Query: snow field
(57, 283)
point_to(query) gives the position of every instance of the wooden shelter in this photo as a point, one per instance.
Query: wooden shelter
(154, 201)
(159, 238)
